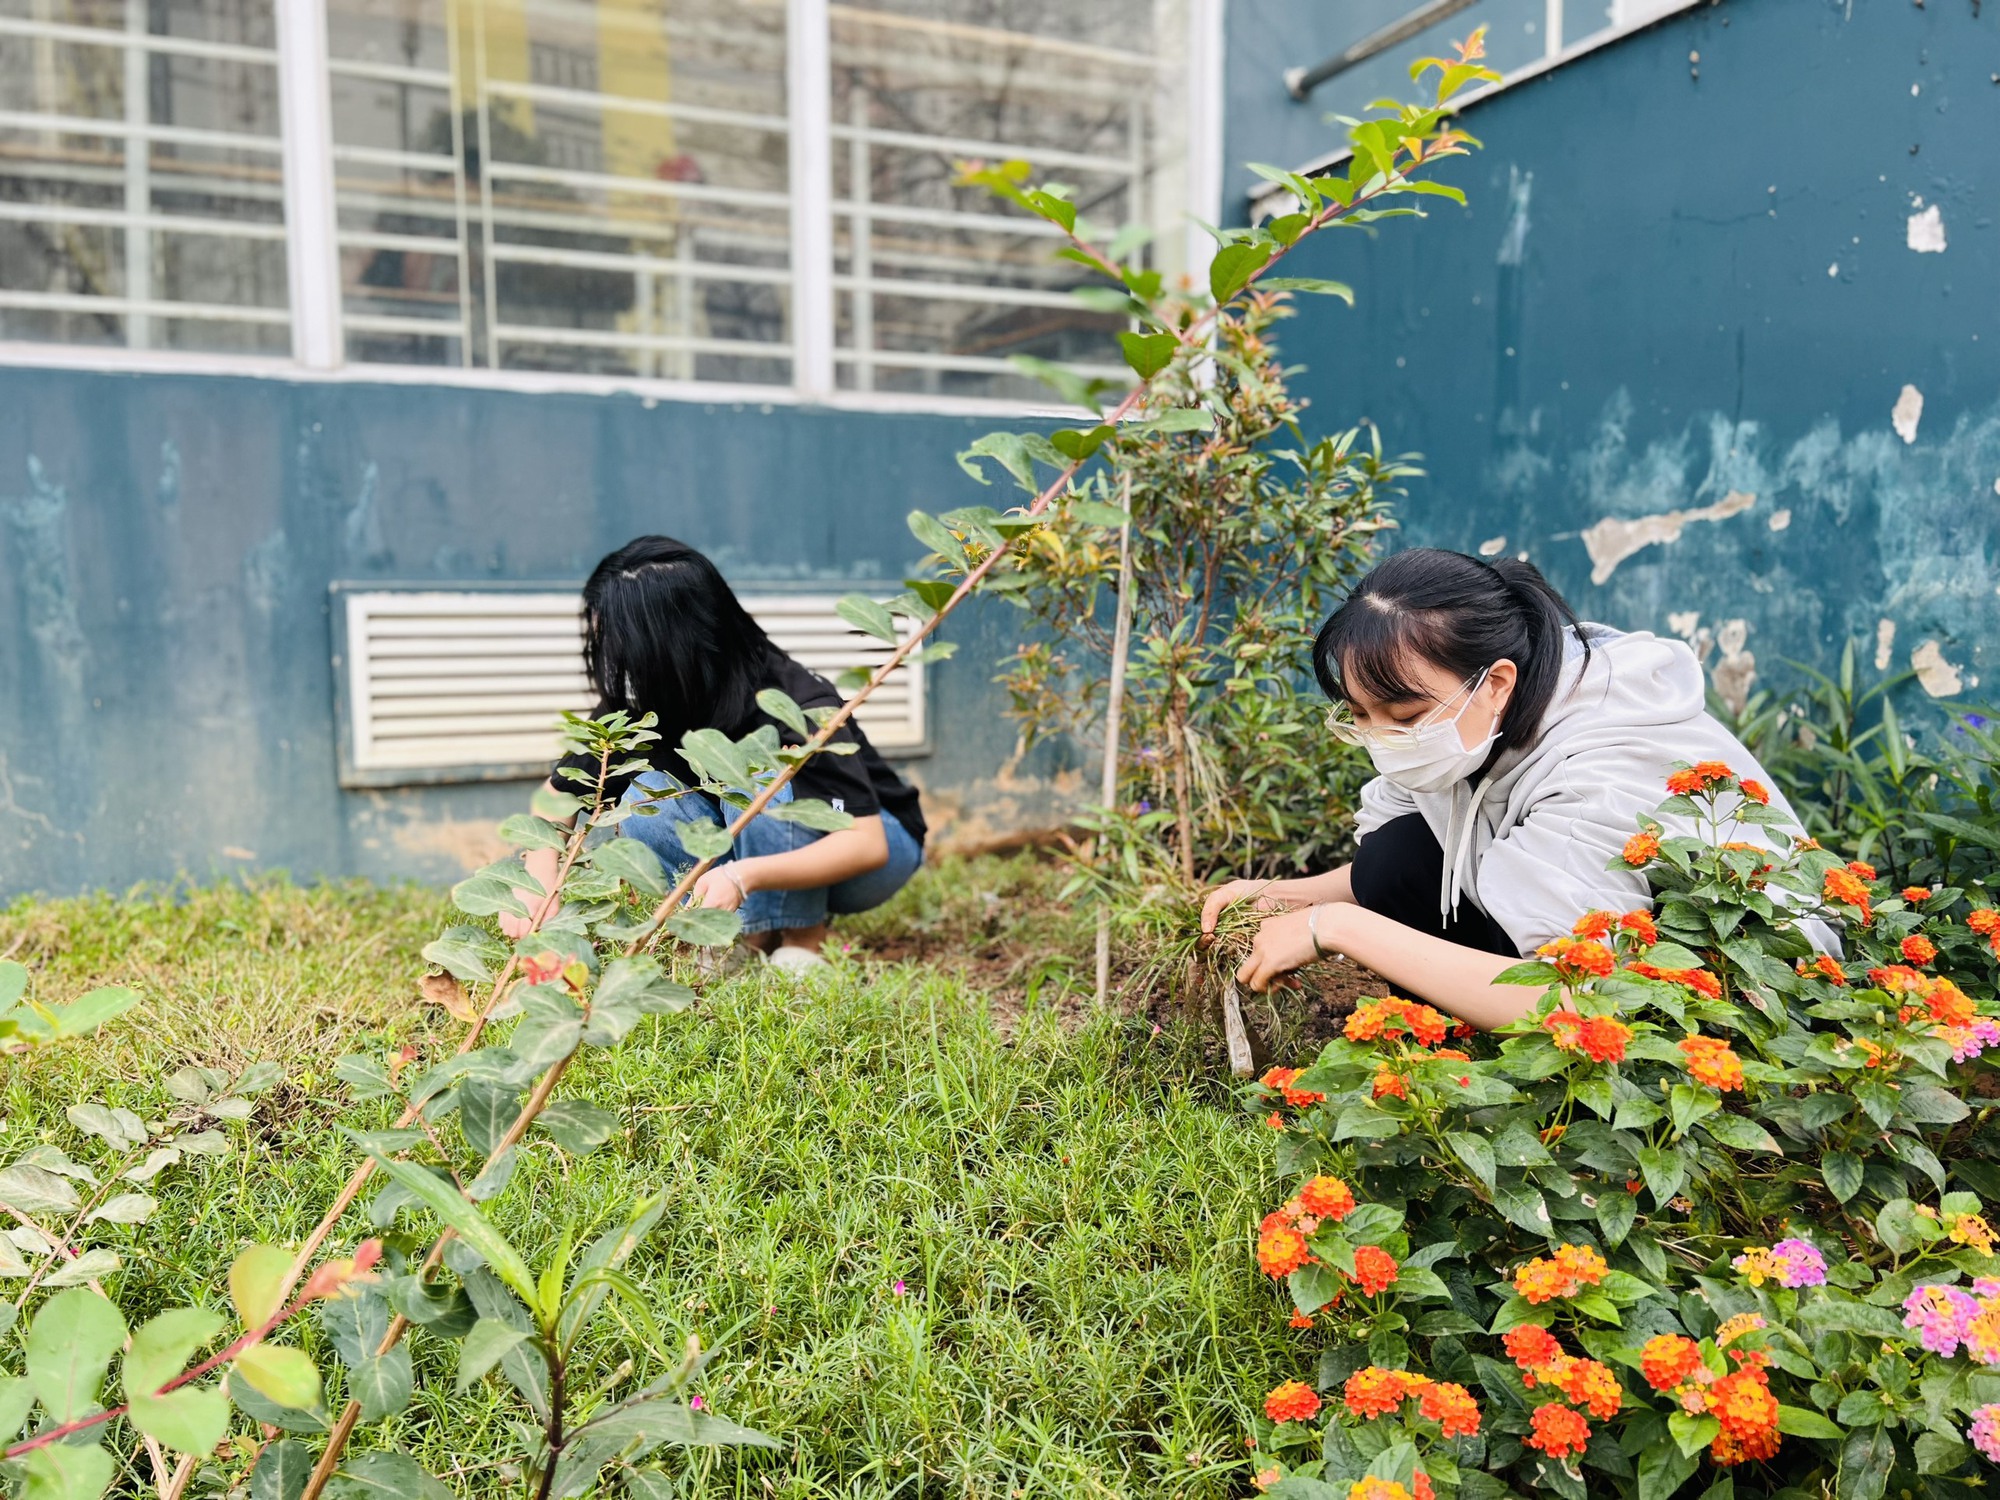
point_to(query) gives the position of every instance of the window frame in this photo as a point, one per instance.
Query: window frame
(313, 252)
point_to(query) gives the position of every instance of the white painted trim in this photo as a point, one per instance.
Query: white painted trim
(313, 245)
(110, 360)
(1207, 39)
(1267, 193)
(809, 92)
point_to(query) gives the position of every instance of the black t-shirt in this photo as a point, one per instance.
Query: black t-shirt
(861, 783)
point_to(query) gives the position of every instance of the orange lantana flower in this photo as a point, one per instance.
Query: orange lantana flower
(1641, 925)
(1530, 1346)
(1918, 949)
(1756, 791)
(1594, 924)
(1559, 1431)
(1327, 1198)
(1374, 1392)
(1845, 888)
(1374, 1269)
(1294, 1401)
(1712, 1062)
(1668, 1359)
(1281, 1250)
(1451, 1407)
(1578, 959)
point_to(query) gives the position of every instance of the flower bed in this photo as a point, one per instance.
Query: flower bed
(1712, 1205)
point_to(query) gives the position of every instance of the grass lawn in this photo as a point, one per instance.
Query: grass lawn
(1067, 1206)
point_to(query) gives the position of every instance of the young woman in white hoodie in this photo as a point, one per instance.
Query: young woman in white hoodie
(1518, 749)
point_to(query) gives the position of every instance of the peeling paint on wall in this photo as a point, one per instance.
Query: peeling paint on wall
(1926, 231)
(1885, 644)
(1780, 519)
(1735, 671)
(1909, 410)
(1494, 546)
(1683, 622)
(1616, 538)
(1935, 675)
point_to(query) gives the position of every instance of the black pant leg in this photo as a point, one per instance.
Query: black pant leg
(1397, 871)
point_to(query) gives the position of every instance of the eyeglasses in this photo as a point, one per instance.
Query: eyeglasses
(1340, 719)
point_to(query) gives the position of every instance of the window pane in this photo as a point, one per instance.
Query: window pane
(141, 186)
(937, 285)
(565, 185)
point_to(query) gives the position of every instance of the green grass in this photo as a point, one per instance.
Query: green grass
(1070, 1207)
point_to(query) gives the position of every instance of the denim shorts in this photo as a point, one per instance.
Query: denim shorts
(768, 911)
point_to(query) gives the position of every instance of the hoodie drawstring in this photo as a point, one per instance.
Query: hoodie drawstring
(1458, 842)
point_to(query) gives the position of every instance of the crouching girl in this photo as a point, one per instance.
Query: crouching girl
(663, 634)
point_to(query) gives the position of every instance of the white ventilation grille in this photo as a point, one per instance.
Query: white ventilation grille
(442, 686)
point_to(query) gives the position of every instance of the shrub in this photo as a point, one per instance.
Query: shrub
(1717, 1200)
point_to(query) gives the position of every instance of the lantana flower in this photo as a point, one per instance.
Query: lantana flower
(1578, 959)
(1669, 1360)
(1942, 1316)
(1984, 1431)
(1844, 888)
(1918, 949)
(1558, 1431)
(1642, 848)
(1452, 1407)
(1374, 1269)
(1710, 1060)
(1294, 1401)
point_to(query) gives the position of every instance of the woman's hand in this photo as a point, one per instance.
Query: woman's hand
(1283, 944)
(540, 909)
(720, 887)
(1239, 890)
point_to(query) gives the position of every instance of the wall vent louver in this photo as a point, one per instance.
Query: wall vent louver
(467, 685)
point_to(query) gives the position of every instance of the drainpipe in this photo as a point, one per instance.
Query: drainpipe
(1300, 82)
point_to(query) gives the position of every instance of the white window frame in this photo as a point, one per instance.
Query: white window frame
(313, 255)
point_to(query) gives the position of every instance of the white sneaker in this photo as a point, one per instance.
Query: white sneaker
(788, 958)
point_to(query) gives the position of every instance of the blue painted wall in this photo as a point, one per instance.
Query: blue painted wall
(166, 543)
(1679, 280)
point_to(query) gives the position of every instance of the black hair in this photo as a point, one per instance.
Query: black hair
(664, 634)
(1459, 613)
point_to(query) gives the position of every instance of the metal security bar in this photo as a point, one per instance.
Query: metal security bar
(566, 187)
(141, 190)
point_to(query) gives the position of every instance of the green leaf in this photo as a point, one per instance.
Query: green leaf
(280, 1374)
(1233, 266)
(1077, 444)
(467, 953)
(1148, 353)
(473, 1227)
(577, 1125)
(486, 1112)
(1096, 513)
(69, 1345)
(161, 1349)
(88, 1012)
(811, 812)
(1742, 1133)
(1799, 1422)
(13, 983)
(1841, 1171)
(1475, 1152)
(382, 1383)
(484, 1348)
(35, 1190)
(868, 616)
(1311, 285)
(1663, 1469)
(1616, 1211)
(781, 707)
(631, 861)
(1865, 1461)
(935, 535)
(64, 1471)
(1664, 1170)
(1693, 1433)
(526, 831)
(384, 1476)
(1522, 1205)
(705, 926)
(92, 1265)
(187, 1420)
(639, 1427)
(1939, 1454)
(256, 1283)
(119, 1127)
(17, 1398)
(281, 1472)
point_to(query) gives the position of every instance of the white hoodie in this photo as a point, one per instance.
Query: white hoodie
(1532, 842)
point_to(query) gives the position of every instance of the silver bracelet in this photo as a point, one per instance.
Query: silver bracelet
(1312, 929)
(744, 895)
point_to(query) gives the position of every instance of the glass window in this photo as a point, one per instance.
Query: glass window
(564, 185)
(141, 178)
(936, 286)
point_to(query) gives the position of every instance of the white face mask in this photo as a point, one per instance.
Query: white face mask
(1428, 757)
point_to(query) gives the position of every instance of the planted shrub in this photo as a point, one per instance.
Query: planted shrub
(1717, 1203)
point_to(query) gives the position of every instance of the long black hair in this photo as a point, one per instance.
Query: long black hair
(1458, 613)
(663, 634)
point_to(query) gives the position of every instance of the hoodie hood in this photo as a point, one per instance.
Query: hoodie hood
(1533, 842)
